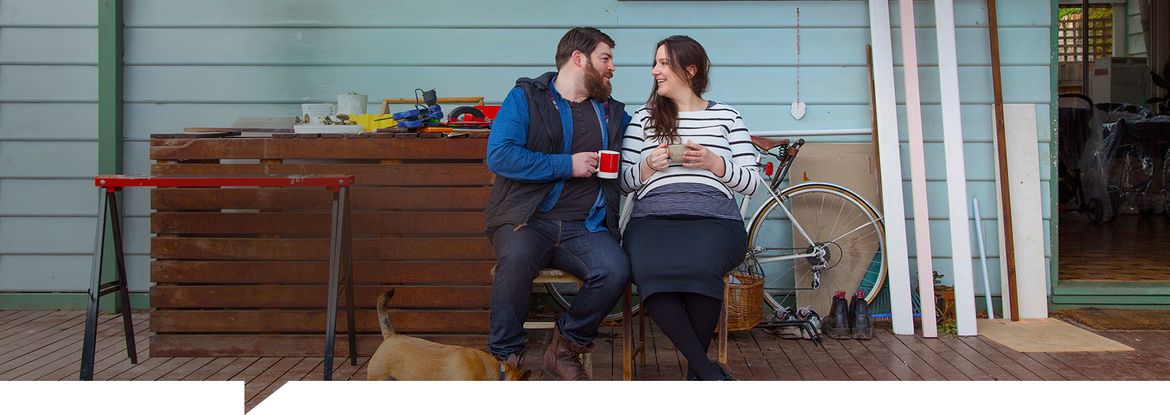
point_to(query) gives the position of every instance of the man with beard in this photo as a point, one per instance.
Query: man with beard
(548, 209)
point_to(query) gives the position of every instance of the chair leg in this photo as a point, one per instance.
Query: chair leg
(641, 334)
(627, 336)
(722, 336)
(587, 360)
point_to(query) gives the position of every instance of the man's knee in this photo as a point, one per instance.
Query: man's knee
(614, 271)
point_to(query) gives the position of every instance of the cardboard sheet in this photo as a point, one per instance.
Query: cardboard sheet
(1046, 335)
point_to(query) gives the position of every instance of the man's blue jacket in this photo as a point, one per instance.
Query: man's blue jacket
(528, 150)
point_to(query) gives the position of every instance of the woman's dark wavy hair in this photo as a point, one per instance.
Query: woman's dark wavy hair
(682, 52)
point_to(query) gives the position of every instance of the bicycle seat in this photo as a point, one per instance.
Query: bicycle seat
(768, 143)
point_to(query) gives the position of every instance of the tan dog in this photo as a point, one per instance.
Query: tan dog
(408, 358)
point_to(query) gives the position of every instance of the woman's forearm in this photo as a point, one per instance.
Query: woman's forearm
(645, 170)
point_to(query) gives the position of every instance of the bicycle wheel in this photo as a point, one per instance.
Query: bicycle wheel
(562, 293)
(841, 248)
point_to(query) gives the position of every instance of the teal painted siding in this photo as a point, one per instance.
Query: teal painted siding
(48, 143)
(207, 63)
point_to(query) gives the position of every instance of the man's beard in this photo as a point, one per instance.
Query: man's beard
(596, 84)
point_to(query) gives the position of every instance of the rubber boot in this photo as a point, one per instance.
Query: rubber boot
(837, 324)
(861, 327)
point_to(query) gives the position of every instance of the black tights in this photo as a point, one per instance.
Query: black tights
(689, 321)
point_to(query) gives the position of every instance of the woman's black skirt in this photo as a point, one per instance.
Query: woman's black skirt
(683, 253)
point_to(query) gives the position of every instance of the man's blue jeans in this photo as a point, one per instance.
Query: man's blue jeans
(595, 257)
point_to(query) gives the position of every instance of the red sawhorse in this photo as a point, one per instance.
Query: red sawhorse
(340, 258)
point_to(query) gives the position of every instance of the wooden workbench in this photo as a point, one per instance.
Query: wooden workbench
(240, 271)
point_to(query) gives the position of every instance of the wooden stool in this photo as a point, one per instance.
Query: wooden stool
(556, 276)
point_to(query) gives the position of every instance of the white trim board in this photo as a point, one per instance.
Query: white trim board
(1023, 157)
(889, 158)
(917, 169)
(956, 174)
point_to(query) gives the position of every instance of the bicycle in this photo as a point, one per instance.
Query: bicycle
(814, 251)
(834, 242)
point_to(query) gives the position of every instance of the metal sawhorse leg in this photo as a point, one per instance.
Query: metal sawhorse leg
(106, 199)
(340, 271)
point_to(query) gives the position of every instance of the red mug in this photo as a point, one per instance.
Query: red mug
(608, 164)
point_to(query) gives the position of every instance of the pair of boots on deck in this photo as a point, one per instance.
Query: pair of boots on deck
(849, 319)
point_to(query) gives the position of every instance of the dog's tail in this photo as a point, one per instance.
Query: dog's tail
(383, 315)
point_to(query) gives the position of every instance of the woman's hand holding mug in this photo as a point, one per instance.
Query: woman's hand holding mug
(658, 159)
(700, 157)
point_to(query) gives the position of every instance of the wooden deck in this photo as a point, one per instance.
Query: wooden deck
(46, 345)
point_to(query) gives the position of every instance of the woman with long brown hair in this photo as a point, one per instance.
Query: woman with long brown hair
(686, 156)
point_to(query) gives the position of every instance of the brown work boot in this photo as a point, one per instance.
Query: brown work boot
(562, 358)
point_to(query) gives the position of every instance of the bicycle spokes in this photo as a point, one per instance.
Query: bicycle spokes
(813, 239)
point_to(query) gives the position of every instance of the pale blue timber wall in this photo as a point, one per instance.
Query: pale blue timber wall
(206, 63)
(48, 145)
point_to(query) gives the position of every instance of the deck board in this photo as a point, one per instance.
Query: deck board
(984, 348)
(943, 366)
(920, 368)
(805, 368)
(51, 347)
(68, 356)
(770, 350)
(1027, 362)
(852, 368)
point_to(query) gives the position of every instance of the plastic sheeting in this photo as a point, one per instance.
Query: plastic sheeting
(1116, 166)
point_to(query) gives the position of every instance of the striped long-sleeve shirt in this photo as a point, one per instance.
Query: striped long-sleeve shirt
(719, 128)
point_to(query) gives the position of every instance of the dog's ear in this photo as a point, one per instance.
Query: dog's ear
(524, 376)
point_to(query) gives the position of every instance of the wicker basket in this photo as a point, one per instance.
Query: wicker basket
(744, 301)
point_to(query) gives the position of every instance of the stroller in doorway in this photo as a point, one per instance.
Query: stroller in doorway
(1103, 169)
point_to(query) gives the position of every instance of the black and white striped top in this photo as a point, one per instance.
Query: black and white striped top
(719, 128)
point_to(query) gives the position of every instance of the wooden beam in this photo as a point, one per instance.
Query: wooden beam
(917, 169)
(956, 173)
(889, 158)
(1002, 157)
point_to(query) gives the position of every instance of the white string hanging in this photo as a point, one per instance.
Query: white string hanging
(798, 106)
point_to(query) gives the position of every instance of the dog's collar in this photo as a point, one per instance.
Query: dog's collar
(503, 370)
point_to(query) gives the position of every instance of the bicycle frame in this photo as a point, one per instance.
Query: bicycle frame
(786, 154)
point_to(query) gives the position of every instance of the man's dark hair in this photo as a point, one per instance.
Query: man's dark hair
(584, 39)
